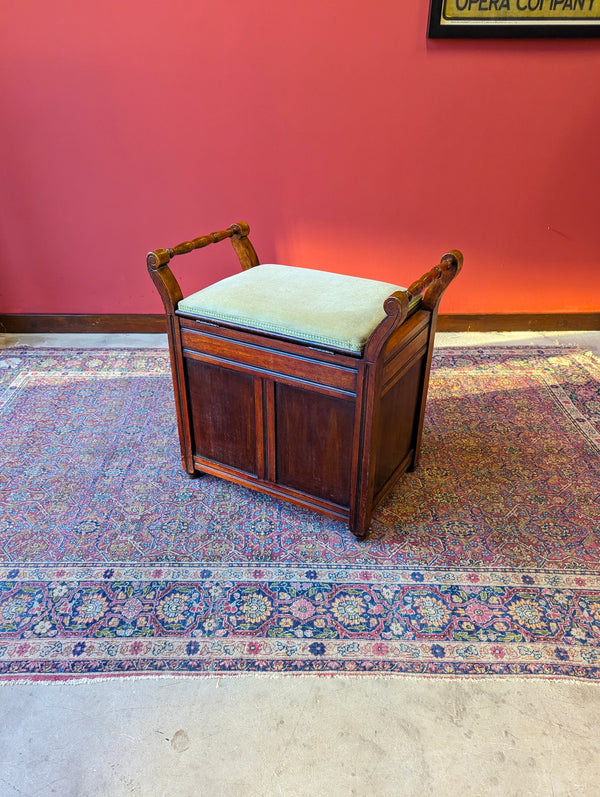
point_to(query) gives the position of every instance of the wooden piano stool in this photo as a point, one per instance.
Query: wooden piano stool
(304, 385)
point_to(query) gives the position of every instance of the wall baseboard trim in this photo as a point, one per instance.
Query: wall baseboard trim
(155, 323)
(79, 323)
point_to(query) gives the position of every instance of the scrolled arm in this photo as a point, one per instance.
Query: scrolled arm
(396, 311)
(431, 286)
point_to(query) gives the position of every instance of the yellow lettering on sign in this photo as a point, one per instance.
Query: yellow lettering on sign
(531, 10)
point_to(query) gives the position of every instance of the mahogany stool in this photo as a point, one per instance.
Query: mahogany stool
(301, 384)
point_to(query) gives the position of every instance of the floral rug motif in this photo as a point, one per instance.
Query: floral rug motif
(485, 561)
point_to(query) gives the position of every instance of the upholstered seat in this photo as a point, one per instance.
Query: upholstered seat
(333, 310)
(302, 384)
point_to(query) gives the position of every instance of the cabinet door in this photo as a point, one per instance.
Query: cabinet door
(223, 415)
(314, 442)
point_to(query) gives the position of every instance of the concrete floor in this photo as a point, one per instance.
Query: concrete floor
(300, 735)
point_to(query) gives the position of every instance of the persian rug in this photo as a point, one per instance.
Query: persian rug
(485, 561)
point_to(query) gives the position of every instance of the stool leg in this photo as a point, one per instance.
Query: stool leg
(361, 531)
(360, 516)
(362, 487)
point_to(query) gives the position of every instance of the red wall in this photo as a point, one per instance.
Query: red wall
(343, 136)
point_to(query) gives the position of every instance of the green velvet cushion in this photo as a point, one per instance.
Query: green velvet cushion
(329, 309)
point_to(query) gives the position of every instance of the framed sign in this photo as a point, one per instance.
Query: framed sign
(513, 18)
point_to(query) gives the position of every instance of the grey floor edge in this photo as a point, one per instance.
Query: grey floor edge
(586, 340)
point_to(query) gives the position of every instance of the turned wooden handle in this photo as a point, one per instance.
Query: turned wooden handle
(451, 262)
(421, 285)
(160, 257)
(164, 279)
(434, 282)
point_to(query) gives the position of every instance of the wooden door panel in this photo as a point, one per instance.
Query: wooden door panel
(396, 423)
(222, 409)
(314, 442)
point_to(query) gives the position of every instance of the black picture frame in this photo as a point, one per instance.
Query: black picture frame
(478, 24)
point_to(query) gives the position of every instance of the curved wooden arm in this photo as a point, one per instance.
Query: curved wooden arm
(396, 310)
(162, 276)
(431, 285)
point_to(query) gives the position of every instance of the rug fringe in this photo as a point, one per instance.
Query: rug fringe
(285, 676)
